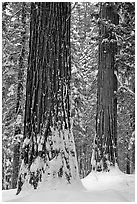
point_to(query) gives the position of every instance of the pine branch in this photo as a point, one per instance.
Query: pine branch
(122, 86)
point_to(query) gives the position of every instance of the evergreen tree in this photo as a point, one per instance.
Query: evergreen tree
(125, 61)
(48, 152)
(105, 152)
(19, 107)
(12, 31)
(84, 70)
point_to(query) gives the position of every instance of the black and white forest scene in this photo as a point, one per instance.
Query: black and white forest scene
(68, 101)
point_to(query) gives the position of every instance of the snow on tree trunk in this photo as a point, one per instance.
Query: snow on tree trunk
(19, 107)
(105, 146)
(48, 154)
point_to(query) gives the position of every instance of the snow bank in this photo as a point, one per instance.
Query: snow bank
(113, 186)
(113, 182)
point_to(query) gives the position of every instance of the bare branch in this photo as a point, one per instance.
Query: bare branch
(122, 86)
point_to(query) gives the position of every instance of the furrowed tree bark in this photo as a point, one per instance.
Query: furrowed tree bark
(105, 147)
(19, 105)
(48, 154)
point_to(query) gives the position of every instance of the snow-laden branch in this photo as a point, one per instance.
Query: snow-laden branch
(122, 86)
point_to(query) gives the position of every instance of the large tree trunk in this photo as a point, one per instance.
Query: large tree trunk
(19, 105)
(48, 150)
(105, 153)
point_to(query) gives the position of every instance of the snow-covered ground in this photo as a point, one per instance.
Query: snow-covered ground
(113, 186)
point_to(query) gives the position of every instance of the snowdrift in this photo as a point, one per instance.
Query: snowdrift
(113, 186)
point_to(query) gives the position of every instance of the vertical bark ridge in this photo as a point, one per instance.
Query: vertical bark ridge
(48, 149)
(106, 119)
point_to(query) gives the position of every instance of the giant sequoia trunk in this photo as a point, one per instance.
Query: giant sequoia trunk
(48, 154)
(105, 152)
(19, 107)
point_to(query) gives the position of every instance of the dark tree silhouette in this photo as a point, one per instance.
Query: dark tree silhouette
(105, 147)
(48, 152)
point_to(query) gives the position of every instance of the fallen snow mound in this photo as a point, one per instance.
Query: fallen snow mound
(113, 186)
